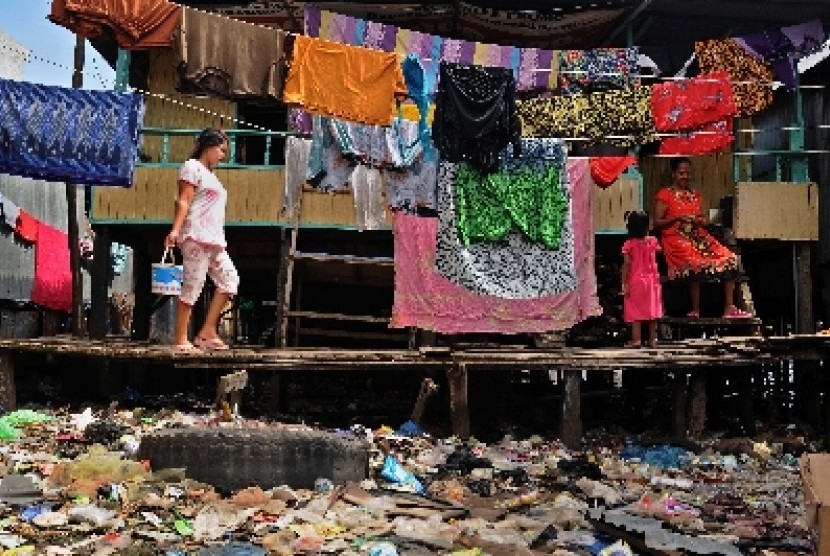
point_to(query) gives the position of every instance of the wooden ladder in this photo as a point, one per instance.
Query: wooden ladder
(286, 313)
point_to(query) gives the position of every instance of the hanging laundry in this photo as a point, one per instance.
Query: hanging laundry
(137, 24)
(619, 117)
(606, 170)
(475, 115)
(708, 139)
(356, 84)
(69, 135)
(427, 300)
(536, 68)
(517, 267)
(297, 152)
(598, 69)
(687, 104)
(416, 86)
(26, 227)
(52, 286)
(782, 48)
(751, 78)
(367, 191)
(413, 189)
(250, 66)
(337, 147)
(119, 253)
(523, 195)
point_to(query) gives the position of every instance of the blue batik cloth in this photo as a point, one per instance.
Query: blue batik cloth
(69, 135)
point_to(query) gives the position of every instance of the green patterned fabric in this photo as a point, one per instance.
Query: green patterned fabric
(525, 197)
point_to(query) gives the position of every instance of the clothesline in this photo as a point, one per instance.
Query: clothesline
(161, 96)
(165, 97)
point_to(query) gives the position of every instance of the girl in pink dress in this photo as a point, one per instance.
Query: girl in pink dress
(642, 293)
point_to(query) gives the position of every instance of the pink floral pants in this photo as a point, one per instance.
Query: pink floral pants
(202, 260)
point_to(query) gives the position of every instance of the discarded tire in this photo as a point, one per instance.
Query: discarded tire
(231, 459)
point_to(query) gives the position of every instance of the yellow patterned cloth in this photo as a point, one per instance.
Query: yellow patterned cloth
(621, 117)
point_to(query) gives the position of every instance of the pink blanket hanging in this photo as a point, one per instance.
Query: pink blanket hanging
(427, 300)
(53, 276)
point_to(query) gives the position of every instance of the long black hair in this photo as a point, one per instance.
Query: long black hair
(209, 137)
(636, 222)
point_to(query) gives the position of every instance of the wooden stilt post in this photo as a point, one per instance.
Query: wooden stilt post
(459, 410)
(571, 422)
(8, 393)
(747, 416)
(78, 314)
(99, 290)
(680, 391)
(697, 409)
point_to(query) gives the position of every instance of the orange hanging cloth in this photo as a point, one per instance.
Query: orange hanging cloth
(342, 81)
(606, 169)
(137, 24)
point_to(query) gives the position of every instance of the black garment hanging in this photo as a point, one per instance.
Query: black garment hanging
(475, 115)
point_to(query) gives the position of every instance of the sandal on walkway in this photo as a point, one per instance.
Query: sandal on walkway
(735, 313)
(211, 344)
(184, 348)
(632, 345)
(693, 315)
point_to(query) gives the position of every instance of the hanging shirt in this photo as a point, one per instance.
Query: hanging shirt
(347, 82)
(251, 64)
(69, 135)
(205, 220)
(52, 287)
(137, 24)
(687, 104)
(297, 151)
(475, 115)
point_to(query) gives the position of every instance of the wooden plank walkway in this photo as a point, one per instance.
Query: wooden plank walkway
(687, 360)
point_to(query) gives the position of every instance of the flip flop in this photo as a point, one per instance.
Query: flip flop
(211, 344)
(184, 348)
(693, 315)
(736, 313)
(633, 345)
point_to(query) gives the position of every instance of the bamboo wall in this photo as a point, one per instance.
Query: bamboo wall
(712, 176)
(167, 114)
(254, 197)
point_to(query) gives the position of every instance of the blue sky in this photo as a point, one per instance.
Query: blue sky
(25, 21)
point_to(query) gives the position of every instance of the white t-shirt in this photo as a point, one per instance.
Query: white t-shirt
(205, 220)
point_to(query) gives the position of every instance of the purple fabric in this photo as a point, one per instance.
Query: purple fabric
(380, 36)
(534, 69)
(782, 47)
(384, 37)
(312, 21)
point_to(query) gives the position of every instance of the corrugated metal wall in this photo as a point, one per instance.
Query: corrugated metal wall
(46, 201)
